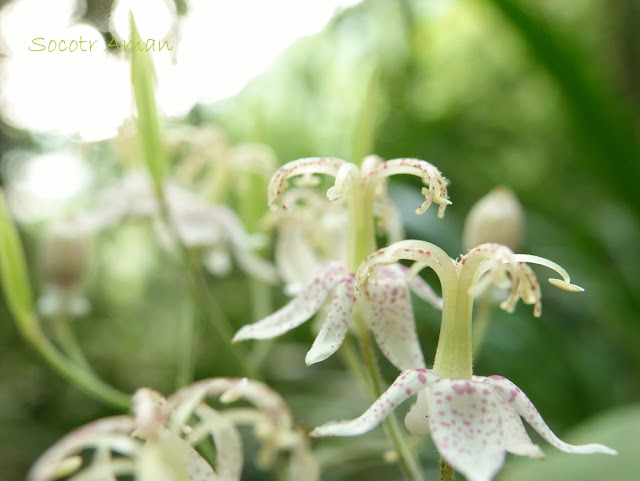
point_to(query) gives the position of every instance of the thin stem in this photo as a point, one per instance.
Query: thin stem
(446, 471)
(85, 380)
(187, 336)
(409, 465)
(261, 306)
(67, 341)
(362, 236)
(203, 300)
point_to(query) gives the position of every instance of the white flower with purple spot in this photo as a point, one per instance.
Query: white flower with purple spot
(386, 305)
(386, 308)
(157, 442)
(473, 423)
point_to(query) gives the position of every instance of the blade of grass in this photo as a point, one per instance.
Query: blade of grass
(143, 80)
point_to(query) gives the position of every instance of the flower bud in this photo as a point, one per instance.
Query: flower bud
(496, 218)
(65, 255)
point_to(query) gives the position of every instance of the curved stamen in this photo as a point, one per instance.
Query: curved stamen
(310, 165)
(345, 175)
(564, 283)
(492, 260)
(437, 185)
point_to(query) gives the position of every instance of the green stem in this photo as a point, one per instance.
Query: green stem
(85, 380)
(453, 354)
(204, 301)
(409, 465)
(361, 243)
(187, 336)
(454, 351)
(67, 341)
(362, 235)
(261, 306)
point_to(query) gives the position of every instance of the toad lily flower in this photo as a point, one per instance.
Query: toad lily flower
(156, 443)
(473, 422)
(313, 231)
(387, 307)
(481, 267)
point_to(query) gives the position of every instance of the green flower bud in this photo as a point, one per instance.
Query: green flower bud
(496, 218)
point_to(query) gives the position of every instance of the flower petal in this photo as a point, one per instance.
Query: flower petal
(407, 384)
(241, 245)
(388, 311)
(229, 458)
(466, 427)
(302, 463)
(113, 431)
(185, 400)
(299, 309)
(516, 439)
(168, 457)
(334, 328)
(520, 403)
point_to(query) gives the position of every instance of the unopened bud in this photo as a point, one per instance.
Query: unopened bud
(65, 255)
(496, 218)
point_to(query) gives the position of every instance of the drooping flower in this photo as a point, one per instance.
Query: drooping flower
(313, 232)
(386, 308)
(157, 442)
(473, 422)
(387, 311)
(215, 229)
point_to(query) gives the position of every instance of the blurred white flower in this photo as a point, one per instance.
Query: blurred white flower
(214, 228)
(157, 442)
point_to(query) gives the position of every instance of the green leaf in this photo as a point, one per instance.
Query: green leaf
(143, 80)
(617, 429)
(13, 272)
(604, 122)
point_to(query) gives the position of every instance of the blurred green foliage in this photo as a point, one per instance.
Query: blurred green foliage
(538, 96)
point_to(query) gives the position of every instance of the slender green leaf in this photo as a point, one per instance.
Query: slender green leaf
(13, 272)
(143, 79)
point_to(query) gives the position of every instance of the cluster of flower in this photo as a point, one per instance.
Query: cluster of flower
(472, 420)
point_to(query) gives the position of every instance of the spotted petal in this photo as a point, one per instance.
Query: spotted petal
(300, 309)
(466, 427)
(520, 403)
(334, 329)
(387, 309)
(407, 384)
